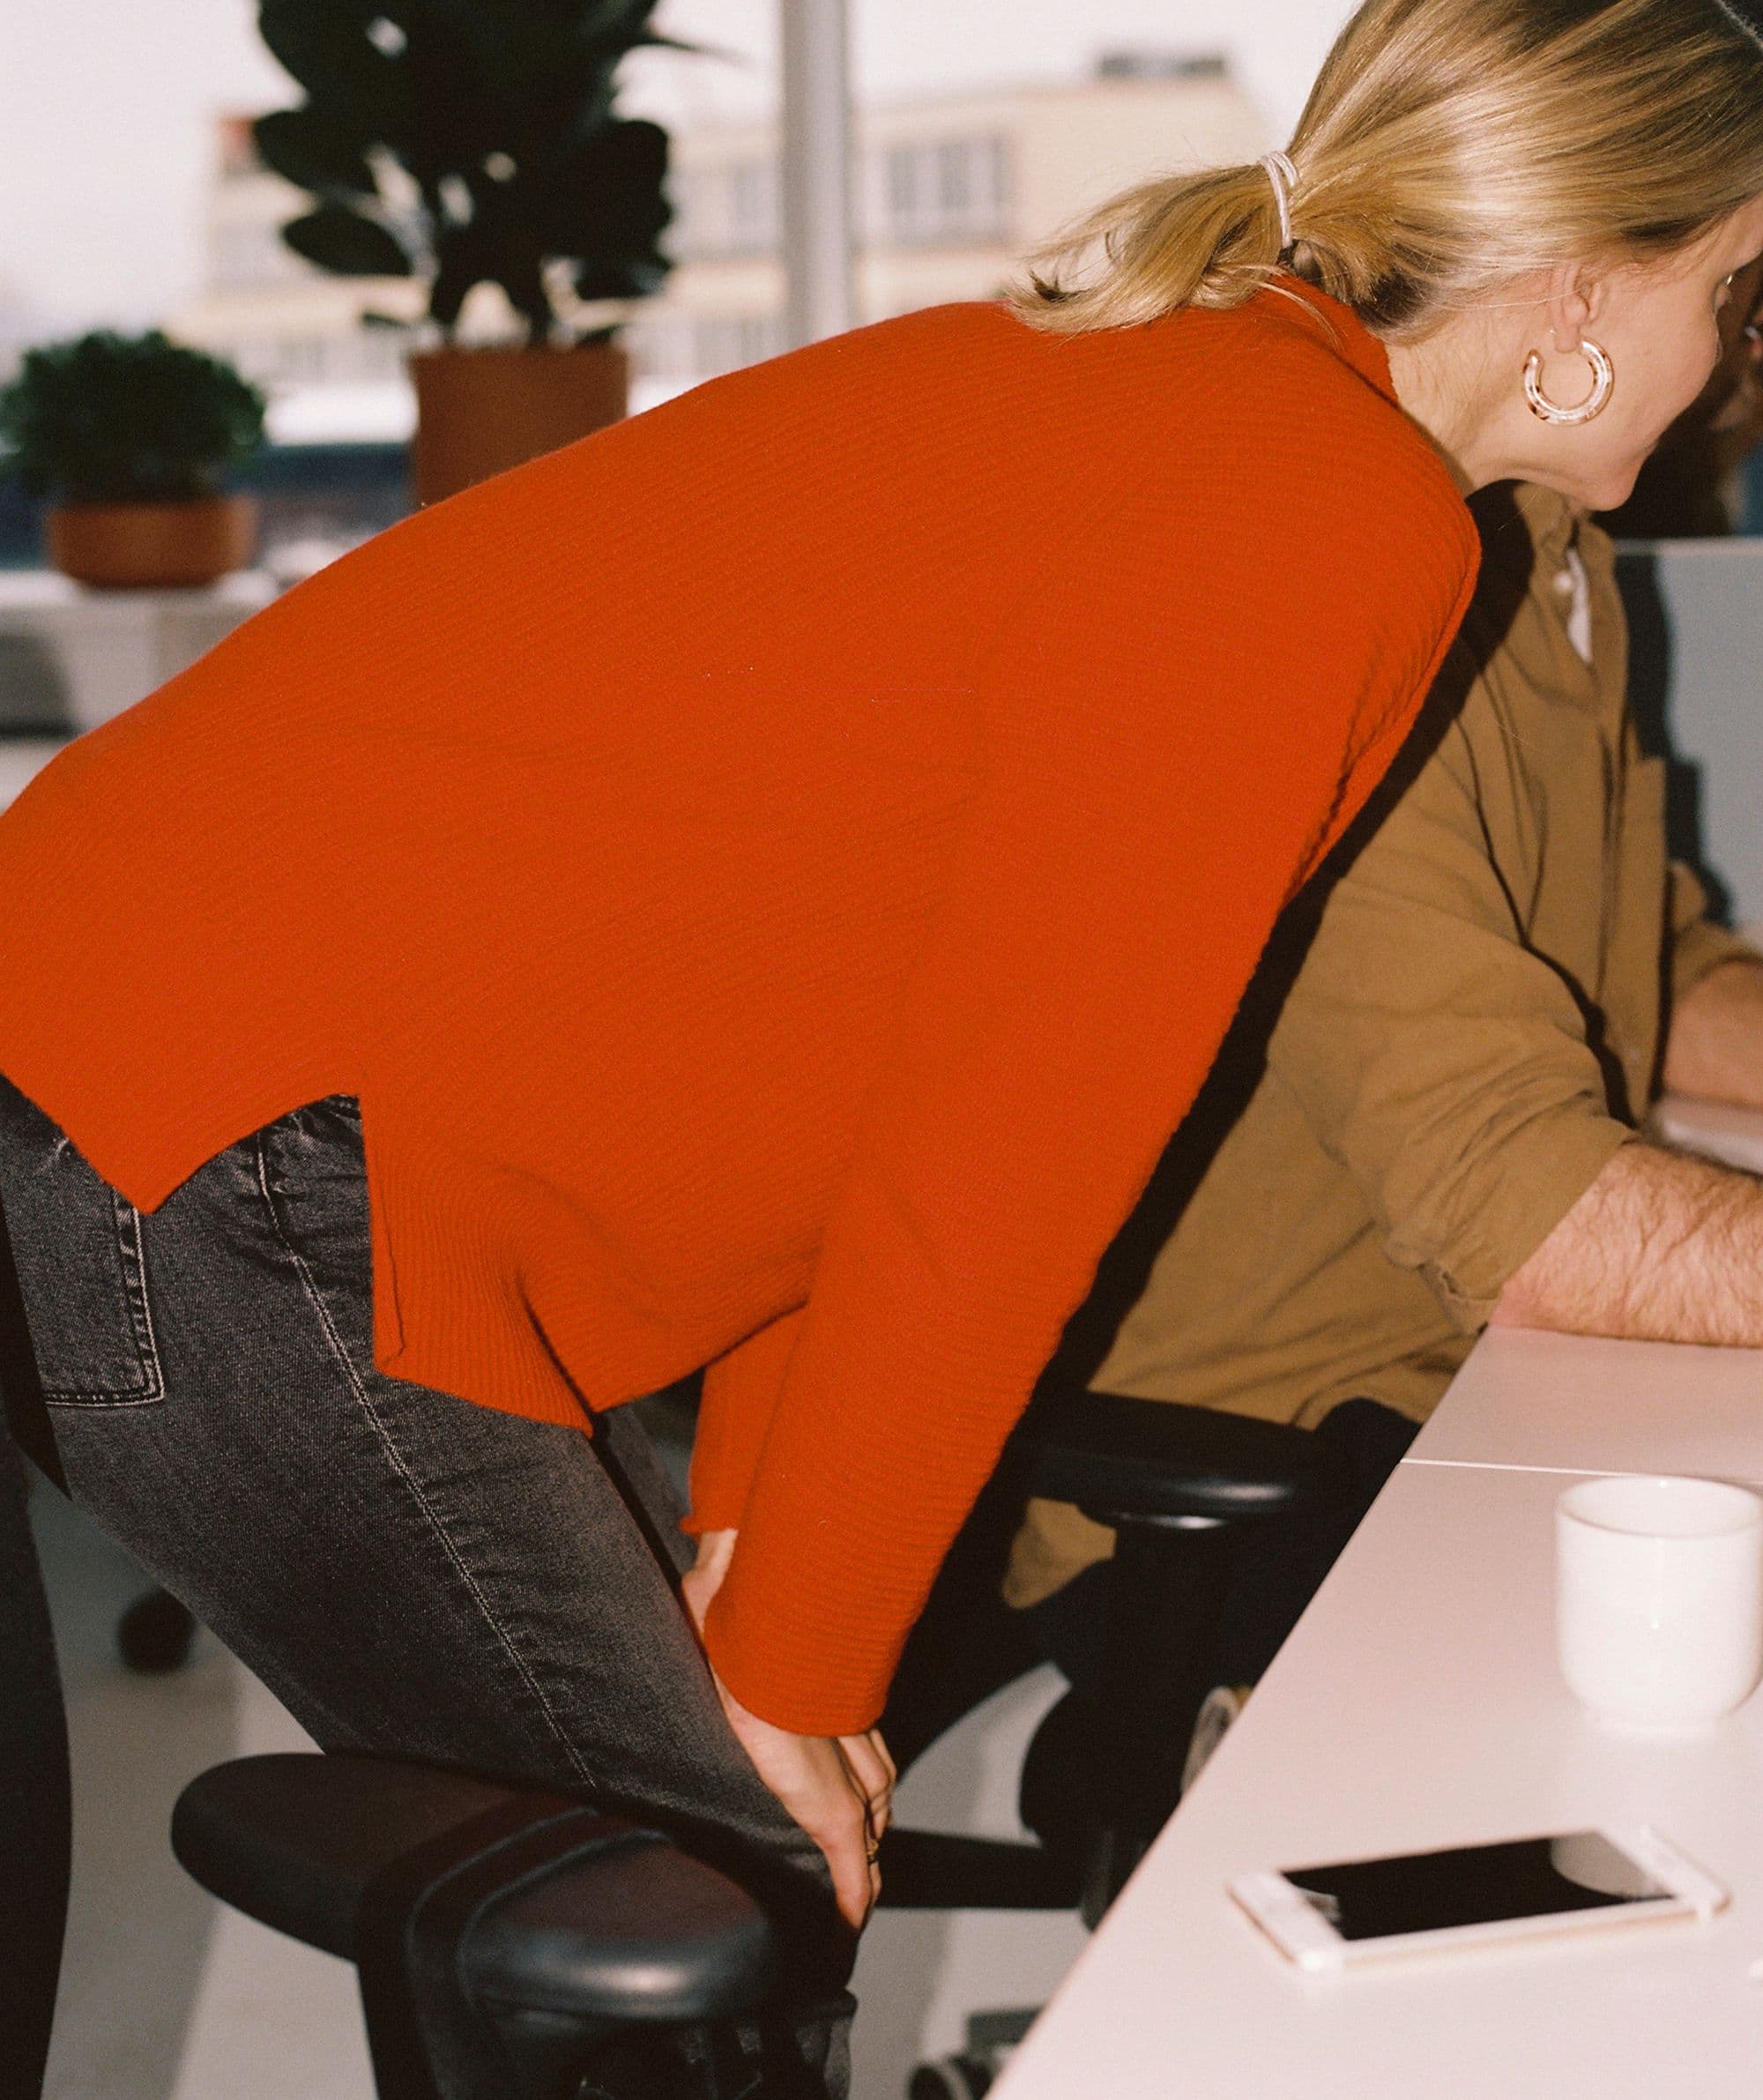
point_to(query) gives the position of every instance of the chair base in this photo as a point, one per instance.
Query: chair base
(975, 2069)
(932, 1870)
(155, 1635)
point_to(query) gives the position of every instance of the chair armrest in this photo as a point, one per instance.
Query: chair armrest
(625, 1928)
(570, 1911)
(1122, 1459)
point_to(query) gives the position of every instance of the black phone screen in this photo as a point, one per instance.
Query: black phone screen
(1429, 1892)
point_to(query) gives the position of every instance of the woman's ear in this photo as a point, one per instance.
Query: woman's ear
(1576, 298)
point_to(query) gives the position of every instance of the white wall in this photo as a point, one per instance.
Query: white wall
(1696, 617)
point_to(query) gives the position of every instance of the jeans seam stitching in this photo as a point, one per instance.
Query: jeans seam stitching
(333, 1342)
(131, 1276)
(98, 1399)
(140, 1307)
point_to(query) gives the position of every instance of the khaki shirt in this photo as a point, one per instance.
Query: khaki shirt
(1474, 1029)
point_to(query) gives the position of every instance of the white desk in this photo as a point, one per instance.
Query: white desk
(1564, 1405)
(1734, 1135)
(1567, 1404)
(86, 655)
(1419, 1705)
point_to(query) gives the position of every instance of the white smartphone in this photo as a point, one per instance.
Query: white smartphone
(1357, 1911)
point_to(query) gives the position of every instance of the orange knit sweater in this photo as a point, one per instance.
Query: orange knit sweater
(775, 875)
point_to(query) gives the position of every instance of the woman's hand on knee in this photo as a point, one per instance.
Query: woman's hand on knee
(873, 1769)
(839, 1789)
(836, 1788)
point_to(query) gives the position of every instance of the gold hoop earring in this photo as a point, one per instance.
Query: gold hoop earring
(1603, 386)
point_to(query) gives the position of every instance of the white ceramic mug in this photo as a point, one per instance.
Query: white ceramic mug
(1659, 1598)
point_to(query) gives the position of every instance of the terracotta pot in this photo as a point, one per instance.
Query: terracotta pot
(153, 546)
(479, 412)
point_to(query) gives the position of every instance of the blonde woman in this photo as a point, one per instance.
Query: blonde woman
(757, 890)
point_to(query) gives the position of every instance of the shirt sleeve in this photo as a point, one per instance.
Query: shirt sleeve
(740, 1390)
(1699, 945)
(1151, 786)
(1440, 1060)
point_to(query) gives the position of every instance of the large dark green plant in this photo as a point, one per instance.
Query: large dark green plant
(499, 112)
(115, 419)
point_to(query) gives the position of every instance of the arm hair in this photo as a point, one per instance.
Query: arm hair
(1661, 1248)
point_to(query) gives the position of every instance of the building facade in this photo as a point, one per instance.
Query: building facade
(950, 193)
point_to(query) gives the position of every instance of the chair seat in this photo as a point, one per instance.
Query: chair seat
(596, 1918)
(1122, 1459)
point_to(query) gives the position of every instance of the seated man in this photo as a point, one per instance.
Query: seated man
(1446, 1127)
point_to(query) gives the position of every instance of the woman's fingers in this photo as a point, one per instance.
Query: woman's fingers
(873, 1769)
(834, 1813)
(840, 1790)
(813, 1778)
(857, 1881)
(704, 1578)
(867, 1776)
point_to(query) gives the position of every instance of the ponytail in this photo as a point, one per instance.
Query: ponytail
(1211, 240)
(1446, 150)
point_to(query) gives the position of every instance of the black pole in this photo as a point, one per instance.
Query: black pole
(33, 1799)
(34, 1810)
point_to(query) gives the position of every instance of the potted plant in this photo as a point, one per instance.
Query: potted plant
(133, 438)
(474, 142)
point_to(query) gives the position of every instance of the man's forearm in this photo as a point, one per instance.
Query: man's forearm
(1661, 1247)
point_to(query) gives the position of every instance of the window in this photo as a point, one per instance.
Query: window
(945, 191)
(726, 342)
(755, 206)
(733, 210)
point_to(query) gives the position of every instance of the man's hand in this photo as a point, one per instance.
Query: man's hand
(1715, 1051)
(839, 1789)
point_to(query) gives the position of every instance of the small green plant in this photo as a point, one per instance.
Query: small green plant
(117, 418)
(472, 142)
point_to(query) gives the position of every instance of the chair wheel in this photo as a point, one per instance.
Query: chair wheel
(154, 1635)
(952, 2078)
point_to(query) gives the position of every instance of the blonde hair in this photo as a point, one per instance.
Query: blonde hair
(1448, 147)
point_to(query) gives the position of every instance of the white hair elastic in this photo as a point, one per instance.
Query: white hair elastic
(1283, 176)
(1740, 20)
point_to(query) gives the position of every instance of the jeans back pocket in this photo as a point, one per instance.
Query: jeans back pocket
(82, 1273)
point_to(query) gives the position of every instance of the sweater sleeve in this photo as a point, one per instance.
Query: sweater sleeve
(1179, 722)
(740, 1390)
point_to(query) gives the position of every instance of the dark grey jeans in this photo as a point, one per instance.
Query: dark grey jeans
(409, 1573)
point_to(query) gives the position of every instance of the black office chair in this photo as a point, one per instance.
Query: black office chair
(515, 1946)
(1178, 1486)
(512, 1944)
(155, 1634)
